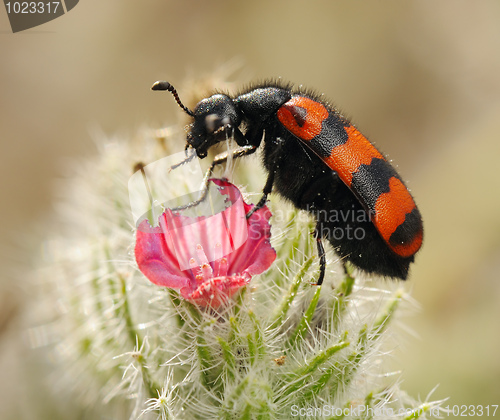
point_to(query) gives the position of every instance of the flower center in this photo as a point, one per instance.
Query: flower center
(203, 270)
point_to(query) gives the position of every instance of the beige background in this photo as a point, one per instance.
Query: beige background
(419, 77)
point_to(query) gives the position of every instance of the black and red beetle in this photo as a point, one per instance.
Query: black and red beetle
(319, 161)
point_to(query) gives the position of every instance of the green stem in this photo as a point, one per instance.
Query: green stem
(305, 374)
(228, 410)
(258, 337)
(340, 303)
(383, 319)
(176, 303)
(234, 332)
(252, 349)
(134, 337)
(281, 313)
(228, 356)
(302, 376)
(152, 388)
(300, 332)
(205, 357)
(366, 340)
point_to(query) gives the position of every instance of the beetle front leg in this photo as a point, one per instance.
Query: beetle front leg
(218, 160)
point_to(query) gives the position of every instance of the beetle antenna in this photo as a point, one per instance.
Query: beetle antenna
(162, 85)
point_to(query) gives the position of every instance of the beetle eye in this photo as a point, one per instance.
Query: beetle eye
(211, 122)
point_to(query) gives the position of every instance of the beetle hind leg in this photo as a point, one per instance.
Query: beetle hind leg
(321, 255)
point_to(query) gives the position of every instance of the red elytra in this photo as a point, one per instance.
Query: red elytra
(304, 118)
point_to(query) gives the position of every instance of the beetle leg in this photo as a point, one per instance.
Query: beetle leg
(265, 192)
(321, 255)
(218, 160)
(268, 187)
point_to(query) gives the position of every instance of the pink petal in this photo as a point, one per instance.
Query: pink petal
(208, 257)
(156, 260)
(256, 254)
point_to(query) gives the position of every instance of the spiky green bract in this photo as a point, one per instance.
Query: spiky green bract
(281, 348)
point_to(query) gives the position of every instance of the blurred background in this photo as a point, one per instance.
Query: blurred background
(419, 78)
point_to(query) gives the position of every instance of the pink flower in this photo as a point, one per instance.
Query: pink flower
(208, 258)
